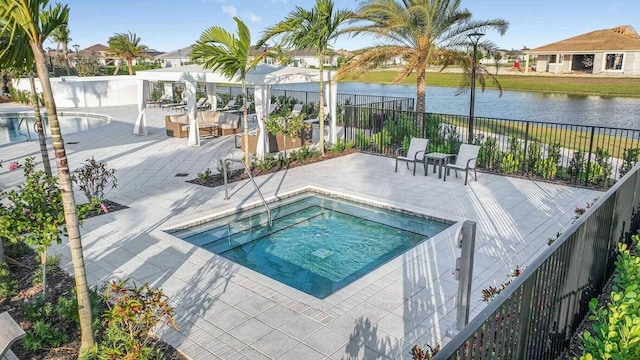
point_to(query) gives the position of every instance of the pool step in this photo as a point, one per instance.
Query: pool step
(240, 238)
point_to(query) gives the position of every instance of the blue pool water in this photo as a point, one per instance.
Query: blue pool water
(317, 244)
(20, 128)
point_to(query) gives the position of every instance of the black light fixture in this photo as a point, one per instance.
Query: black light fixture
(475, 38)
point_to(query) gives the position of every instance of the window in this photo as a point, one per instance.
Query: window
(613, 61)
(553, 58)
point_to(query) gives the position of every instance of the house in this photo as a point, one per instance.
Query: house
(99, 52)
(175, 58)
(307, 58)
(613, 51)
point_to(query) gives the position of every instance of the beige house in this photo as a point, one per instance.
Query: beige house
(613, 51)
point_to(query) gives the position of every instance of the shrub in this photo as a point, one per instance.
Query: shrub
(132, 313)
(577, 166)
(534, 156)
(512, 159)
(343, 145)
(204, 176)
(361, 140)
(630, 159)
(8, 285)
(548, 168)
(489, 153)
(616, 325)
(93, 177)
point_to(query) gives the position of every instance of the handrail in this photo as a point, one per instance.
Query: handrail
(28, 134)
(226, 190)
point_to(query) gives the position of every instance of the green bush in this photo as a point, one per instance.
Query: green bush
(489, 153)
(8, 285)
(512, 159)
(616, 324)
(630, 159)
(548, 167)
(131, 315)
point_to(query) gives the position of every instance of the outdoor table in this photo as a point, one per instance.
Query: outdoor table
(440, 158)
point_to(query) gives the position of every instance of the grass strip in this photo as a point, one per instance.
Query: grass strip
(572, 85)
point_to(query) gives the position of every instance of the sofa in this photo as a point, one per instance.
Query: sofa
(213, 123)
(277, 142)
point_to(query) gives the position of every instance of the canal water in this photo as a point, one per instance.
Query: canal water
(513, 105)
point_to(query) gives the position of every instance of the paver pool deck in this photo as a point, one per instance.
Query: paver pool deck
(226, 311)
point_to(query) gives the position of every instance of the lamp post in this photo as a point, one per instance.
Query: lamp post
(475, 38)
(50, 62)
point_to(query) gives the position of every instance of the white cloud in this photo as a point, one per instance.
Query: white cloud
(252, 17)
(230, 10)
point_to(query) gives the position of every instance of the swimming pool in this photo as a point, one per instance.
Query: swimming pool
(21, 127)
(317, 244)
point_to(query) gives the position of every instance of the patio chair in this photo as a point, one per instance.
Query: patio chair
(173, 105)
(297, 109)
(231, 105)
(199, 104)
(465, 161)
(415, 153)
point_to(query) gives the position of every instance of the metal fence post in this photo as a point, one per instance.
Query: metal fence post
(464, 272)
(526, 143)
(586, 177)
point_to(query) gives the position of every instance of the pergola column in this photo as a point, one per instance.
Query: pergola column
(262, 100)
(211, 95)
(194, 134)
(140, 127)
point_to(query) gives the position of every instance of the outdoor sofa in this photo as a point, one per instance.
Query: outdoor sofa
(215, 123)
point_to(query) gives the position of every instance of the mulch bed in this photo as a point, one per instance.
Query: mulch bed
(59, 284)
(111, 206)
(238, 175)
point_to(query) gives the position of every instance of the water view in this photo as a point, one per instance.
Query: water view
(513, 105)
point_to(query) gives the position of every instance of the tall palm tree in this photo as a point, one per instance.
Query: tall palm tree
(27, 15)
(126, 46)
(219, 49)
(61, 36)
(311, 29)
(415, 30)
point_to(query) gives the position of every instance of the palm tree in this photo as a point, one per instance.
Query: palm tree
(415, 30)
(126, 46)
(29, 16)
(61, 36)
(311, 29)
(219, 49)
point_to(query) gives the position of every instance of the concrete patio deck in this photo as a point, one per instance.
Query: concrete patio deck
(226, 311)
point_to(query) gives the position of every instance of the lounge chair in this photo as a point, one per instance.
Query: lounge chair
(173, 105)
(199, 105)
(415, 153)
(163, 99)
(465, 161)
(231, 105)
(297, 109)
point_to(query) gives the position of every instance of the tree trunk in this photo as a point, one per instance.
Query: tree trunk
(321, 109)
(130, 65)
(117, 64)
(39, 127)
(421, 88)
(65, 48)
(68, 202)
(245, 124)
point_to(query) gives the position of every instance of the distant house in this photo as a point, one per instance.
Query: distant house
(613, 51)
(175, 58)
(99, 52)
(307, 58)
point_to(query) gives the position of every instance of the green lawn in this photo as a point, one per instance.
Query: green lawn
(573, 85)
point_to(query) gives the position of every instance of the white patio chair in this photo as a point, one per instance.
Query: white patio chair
(297, 109)
(231, 105)
(465, 161)
(415, 153)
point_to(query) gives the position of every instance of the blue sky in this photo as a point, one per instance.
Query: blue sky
(168, 25)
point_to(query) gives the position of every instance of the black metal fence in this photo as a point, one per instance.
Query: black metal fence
(538, 313)
(592, 156)
(313, 97)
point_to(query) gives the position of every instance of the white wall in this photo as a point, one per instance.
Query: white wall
(90, 91)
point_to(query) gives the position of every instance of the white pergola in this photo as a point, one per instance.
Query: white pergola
(261, 79)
